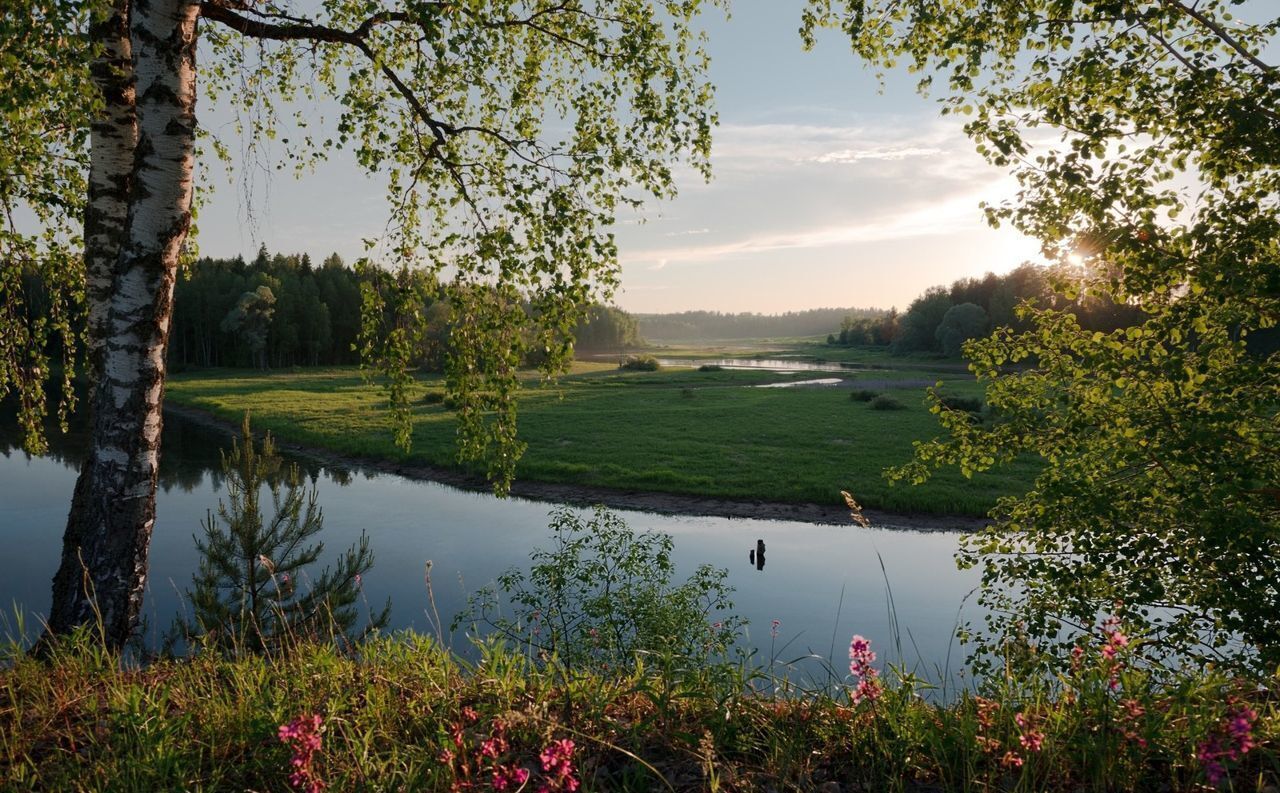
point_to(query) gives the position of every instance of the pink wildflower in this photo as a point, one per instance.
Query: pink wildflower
(557, 763)
(861, 656)
(1232, 741)
(469, 713)
(774, 630)
(1240, 729)
(1031, 740)
(867, 690)
(493, 747)
(507, 776)
(860, 652)
(1209, 754)
(302, 735)
(1133, 712)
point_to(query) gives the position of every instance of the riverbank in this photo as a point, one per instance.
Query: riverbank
(583, 495)
(678, 441)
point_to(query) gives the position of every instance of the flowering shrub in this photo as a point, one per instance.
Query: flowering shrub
(1231, 741)
(557, 764)
(302, 735)
(477, 753)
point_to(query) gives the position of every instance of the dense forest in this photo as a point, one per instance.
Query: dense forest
(943, 318)
(714, 325)
(276, 311)
(281, 311)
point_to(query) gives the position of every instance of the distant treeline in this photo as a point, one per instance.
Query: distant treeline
(713, 325)
(281, 311)
(943, 318)
(276, 311)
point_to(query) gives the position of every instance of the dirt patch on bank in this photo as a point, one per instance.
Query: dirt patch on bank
(587, 495)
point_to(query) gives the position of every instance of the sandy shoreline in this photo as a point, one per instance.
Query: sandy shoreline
(585, 495)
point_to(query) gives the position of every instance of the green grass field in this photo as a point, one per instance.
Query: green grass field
(674, 431)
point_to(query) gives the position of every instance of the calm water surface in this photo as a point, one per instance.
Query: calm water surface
(817, 580)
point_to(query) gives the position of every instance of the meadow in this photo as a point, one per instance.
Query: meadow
(677, 431)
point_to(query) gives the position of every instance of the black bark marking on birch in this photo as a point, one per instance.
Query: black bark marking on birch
(113, 509)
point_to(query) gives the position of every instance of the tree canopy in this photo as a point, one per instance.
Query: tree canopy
(1145, 140)
(510, 135)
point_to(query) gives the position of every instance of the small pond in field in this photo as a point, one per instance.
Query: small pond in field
(819, 382)
(764, 364)
(823, 583)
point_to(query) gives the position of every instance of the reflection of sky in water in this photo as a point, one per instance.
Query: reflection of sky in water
(770, 364)
(471, 537)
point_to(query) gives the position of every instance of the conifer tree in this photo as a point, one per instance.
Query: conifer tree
(252, 590)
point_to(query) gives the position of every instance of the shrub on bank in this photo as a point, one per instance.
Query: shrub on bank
(886, 402)
(640, 363)
(863, 395)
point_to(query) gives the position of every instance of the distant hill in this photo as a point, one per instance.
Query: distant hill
(717, 326)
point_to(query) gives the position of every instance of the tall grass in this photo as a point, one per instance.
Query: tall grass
(403, 713)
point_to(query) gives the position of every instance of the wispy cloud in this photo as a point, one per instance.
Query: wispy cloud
(850, 156)
(957, 213)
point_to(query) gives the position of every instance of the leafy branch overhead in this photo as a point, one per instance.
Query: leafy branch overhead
(510, 135)
(1146, 141)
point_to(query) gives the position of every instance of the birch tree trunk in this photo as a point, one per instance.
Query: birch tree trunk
(104, 559)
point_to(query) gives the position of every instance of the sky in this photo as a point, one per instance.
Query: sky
(828, 189)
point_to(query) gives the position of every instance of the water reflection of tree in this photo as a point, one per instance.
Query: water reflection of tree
(192, 451)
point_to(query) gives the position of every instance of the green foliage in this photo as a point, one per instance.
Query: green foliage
(961, 323)
(640, 363)
(605, 329)
(46, 102)
(966, 404)
(252, 591)
(921, 328)
(885, 402)
(711, 367)
(250, 318)
(602, 596)
(1160, 492)
(510, 135)
(315, 319)
(918, 329)
(863, 395)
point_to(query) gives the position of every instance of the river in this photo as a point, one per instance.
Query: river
(822, 583)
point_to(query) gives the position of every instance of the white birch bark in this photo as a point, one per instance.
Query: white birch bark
(113, 138)
(104, 563)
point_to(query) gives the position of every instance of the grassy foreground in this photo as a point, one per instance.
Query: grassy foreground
(404, 715)
(675, 431)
